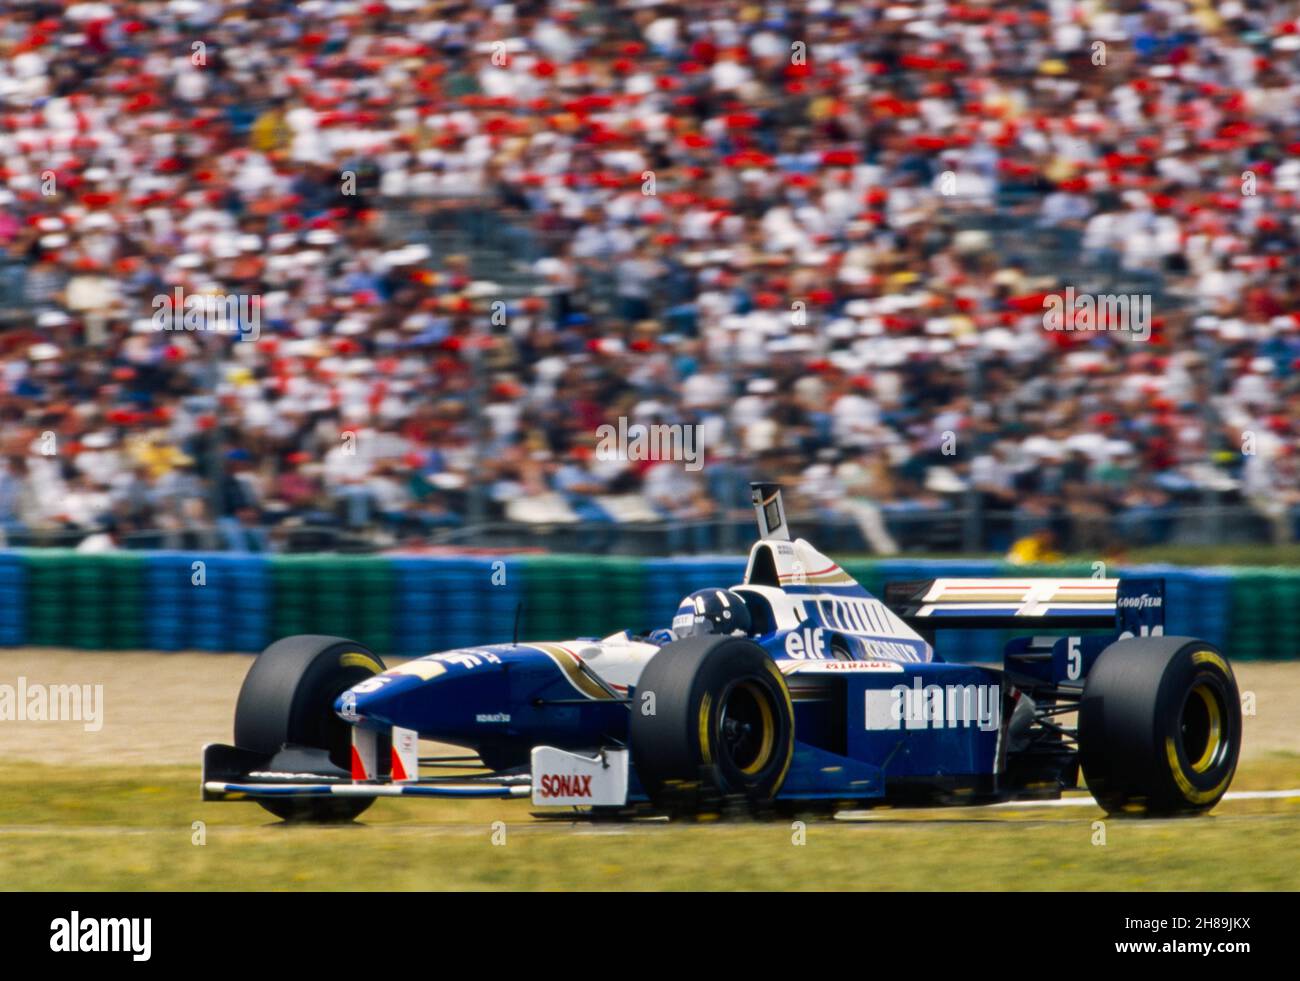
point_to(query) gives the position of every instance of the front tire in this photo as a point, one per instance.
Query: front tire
(1159, 726)
(288, 699)
(719, 727)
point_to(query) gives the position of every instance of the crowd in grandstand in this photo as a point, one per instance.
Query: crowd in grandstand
(783, 223)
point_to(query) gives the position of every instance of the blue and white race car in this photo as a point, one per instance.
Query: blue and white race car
(792, 690)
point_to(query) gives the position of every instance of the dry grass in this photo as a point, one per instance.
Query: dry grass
(116, 810)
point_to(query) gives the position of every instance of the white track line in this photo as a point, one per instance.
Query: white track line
(1089, 802)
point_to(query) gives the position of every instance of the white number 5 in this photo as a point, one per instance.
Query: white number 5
(1073, 659)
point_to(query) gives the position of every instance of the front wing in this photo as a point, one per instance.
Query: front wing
(556, 778)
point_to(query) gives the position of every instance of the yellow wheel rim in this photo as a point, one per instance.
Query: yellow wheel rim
(1202, 693)
(766, 721)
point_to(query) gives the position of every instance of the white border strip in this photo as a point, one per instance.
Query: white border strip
(1089, 802)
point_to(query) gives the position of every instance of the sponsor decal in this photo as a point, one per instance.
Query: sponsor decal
(891, 650)
(877, 667)
(1144, 630)
(283, 775)
(428, 668)
(468, 659)
(859, 617)
(566, 785)
(425, 669)
(370, 685)
(1140, 602)
(492, 717)
(810, 642)
(405, 755)
(562, 779)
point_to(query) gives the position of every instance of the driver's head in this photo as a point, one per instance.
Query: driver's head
(711, 611)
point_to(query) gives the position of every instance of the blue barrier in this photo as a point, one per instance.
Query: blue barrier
(410, 605)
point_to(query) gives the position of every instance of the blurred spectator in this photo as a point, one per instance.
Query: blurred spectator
(838, 277)
(1036, 547)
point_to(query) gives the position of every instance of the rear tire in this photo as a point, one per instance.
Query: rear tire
(721, 729)
(288, 699)
(1159, 726)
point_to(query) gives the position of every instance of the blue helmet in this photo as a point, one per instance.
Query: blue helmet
(711, 611)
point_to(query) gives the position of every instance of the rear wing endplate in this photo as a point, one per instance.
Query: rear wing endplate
(769, 511)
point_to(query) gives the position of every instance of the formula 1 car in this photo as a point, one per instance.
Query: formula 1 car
(794, 690)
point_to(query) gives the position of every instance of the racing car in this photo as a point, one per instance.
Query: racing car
(795, 689)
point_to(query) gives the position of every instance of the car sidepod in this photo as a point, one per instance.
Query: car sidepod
(930, 729)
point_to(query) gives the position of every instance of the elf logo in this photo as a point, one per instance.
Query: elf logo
(132, 935)
(566, 785)
(810, 642)
(923, 706)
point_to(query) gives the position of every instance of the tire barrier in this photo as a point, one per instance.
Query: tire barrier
(406, 605)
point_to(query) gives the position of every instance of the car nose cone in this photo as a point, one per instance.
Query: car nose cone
(441, 695)
(376, 701)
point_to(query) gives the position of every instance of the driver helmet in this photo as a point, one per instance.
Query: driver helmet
(711, 611)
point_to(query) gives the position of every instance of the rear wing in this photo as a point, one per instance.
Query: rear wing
(769, 511)
(1136, 605)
